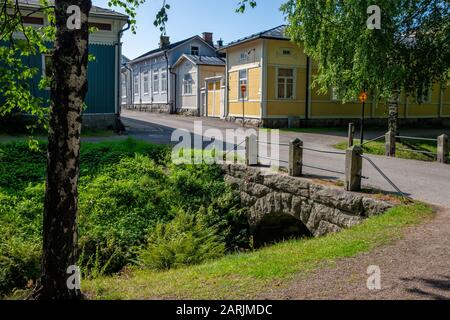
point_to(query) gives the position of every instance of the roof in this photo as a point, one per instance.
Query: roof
(95, 11)
(170, 47)
(124, 59)
(274, 33)
(202, 60)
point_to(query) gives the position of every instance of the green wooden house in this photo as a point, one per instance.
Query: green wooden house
(103, 104)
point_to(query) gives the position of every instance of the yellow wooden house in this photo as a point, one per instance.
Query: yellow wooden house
(278, 76)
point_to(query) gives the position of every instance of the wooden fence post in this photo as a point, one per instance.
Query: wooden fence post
(353, 168)
(295, 157)
(442, 149)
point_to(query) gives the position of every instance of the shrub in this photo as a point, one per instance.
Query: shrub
(20, 237)
(127, 190)
(118, 207)
(186, 240)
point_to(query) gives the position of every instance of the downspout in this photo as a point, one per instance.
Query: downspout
(176, 87)
(131, 84)
(168, 90)
(308, 87)
(119, 65)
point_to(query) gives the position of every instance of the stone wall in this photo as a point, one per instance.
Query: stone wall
(281, 206)
(154, 108)
(189, 112)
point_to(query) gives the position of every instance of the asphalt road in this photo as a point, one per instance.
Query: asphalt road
(425, 181)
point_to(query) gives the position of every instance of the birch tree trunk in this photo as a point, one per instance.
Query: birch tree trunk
(68, 91)
(393, 111)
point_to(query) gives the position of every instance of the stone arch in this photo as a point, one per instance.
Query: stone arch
(276, 227)
(277, 216)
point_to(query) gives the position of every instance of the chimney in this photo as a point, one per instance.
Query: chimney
(220, 43)
(208, 37)
(164, 42)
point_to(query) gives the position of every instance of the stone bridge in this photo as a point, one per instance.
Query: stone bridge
(281, 206)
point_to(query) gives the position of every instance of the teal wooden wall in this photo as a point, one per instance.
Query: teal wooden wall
(100, 96)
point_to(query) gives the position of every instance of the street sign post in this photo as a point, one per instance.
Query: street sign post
(363, 96)
(243, 91)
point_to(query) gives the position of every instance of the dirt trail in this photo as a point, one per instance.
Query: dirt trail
(415, 267)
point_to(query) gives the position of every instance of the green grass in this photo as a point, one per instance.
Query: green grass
(127, 190)
(378, 148)
(244, 275)
(96, 133)
(41, 135)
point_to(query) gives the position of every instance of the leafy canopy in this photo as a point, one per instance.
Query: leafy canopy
(410, 52)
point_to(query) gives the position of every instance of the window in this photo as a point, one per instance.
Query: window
(124, 86)
(195, 51)
(243, 80)
(335, 94)
(243, 57)
(187, 84)
(425, 98)
(136, 85)
(155, 81)
(146, 83)
(33, 20)
(100, 26)
(286, 52)
(47, 65)
(285, 83)
(163, 80)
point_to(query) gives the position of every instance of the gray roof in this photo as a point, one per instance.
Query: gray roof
(124, 59)
(168, 47)
(274, 33)
(96, 11)
(205, 60)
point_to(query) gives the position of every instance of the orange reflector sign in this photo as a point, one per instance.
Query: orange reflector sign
(363, 96)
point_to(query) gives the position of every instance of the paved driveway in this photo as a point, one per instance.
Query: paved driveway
(425, 181)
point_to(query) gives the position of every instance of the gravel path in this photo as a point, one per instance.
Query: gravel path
(415, 267)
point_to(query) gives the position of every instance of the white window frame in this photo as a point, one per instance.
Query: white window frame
(244, 56)
(155, 81)
(136, 79)
(188, 84)
(163, 77)
(198, 51)
(294, 83)
(146, 83)
(246, 97)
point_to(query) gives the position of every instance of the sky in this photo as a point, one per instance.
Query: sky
(193, 17)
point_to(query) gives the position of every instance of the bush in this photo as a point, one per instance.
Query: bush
(186, 240)
(127, 190)
(20, 237)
